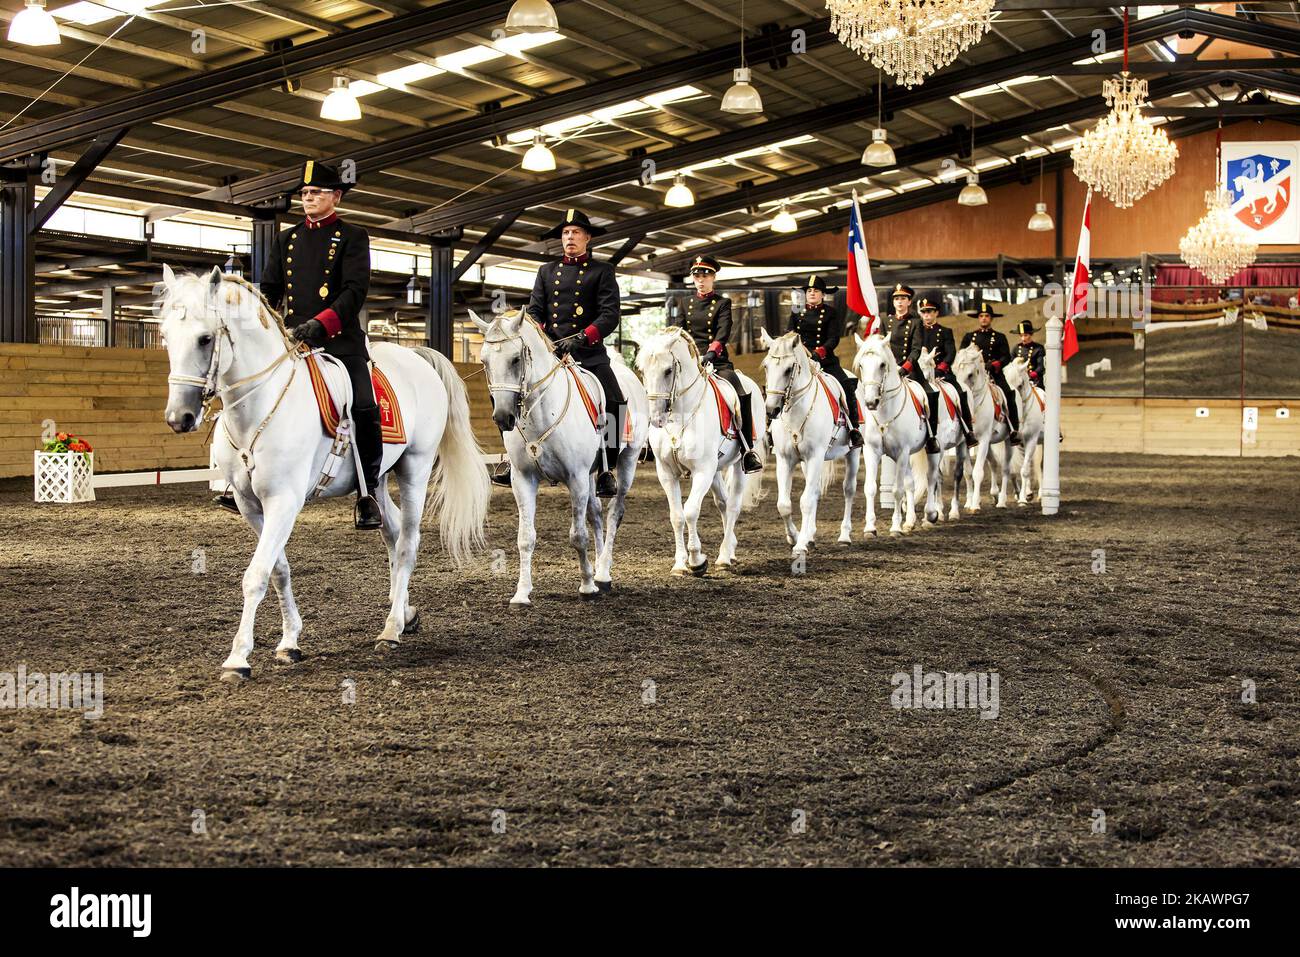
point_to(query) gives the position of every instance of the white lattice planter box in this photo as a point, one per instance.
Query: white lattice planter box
(65, 476)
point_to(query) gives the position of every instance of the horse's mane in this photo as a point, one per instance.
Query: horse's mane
(875, 343)
(664, 341)
(266, 308)
(965, 356)
(778, 350)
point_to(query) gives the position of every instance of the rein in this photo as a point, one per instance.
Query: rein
(534, 392)
(885, 394)
(674, 394)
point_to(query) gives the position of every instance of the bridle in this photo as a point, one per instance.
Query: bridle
(525, 392)
(209, 383)
(885, 394)
(791, 393)
(674, 393)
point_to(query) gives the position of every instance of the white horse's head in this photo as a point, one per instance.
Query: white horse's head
(968, 368)
(926, 362)
(507, 355)
(198, 314)
(785, 364)
(665, 361)
(1016, 373)
(873, 364)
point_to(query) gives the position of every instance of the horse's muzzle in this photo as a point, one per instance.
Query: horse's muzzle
(505, 420)
(182, 422)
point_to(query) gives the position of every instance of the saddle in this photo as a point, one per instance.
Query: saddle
(595, 407)
(728, 405)
(835, 396)
(948, 399)
(333, 388)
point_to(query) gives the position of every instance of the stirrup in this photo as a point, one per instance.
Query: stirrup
(226, 501)
(501, 474)
(855, 438)
(366, 513)
(751, 463)
(606, 485)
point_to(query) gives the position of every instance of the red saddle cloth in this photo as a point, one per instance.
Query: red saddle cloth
(952, 407)
(917, 403)
(593, 412)
(724, 409)
(830, 397)
(390, 413)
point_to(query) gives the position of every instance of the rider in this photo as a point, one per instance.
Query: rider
(707, 319)
(820, 326)
(1032, 352)
(577, 302)
(322, 307)
(993, 345)
(903, 330)
(940, 339)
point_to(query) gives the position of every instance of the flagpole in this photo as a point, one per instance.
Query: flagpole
(1050, 490)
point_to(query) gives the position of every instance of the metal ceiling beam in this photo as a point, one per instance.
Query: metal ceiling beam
(583, 99)
(71, 181)
(938, 89)
(1182, 66)
(921, 152)
(891, 206)
(425, 26)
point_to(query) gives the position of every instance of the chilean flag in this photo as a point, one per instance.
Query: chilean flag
(862, 290)
(1079, 287)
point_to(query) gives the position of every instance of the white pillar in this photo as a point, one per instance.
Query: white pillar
(1051, 490)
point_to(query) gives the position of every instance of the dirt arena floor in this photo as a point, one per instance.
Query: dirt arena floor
(770, 737)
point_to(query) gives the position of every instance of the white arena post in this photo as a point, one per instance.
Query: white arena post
(1051, 490)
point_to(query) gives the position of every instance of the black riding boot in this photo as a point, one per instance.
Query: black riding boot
(501, 474)
(851, 409)
(967, 425)
(370, 448)
(606, 463)
(932, 440)
(1013, 416)
(750, 462)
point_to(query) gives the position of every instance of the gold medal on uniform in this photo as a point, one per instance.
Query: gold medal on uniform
(324, 291)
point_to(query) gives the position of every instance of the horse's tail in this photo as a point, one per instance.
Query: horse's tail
(753, 483)
(461, 487)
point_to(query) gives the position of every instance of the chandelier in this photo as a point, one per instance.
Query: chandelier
(1219, 245)
(1124, 156)
(910, 39)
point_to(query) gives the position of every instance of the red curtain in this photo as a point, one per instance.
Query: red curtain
(1274, 276)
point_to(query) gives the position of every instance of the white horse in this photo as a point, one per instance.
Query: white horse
(990, 427)
(1032, 420)
(892, 403)
(805, 433)
(224, 341)
(1255, 192)
(549, 434)
(686, 435)
(950, 435)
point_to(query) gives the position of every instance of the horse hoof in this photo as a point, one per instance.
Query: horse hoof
(288, 656)
(520, 605)
(412, 624)
(236, 676)
(386, 644)
(846, 542)
(699, 570)
(870, 533)
(895, 533)
(589, 595)
(605, 586)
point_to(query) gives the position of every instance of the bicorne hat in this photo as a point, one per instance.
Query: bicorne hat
(574, 217)
(322, 176)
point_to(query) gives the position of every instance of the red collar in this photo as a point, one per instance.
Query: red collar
(583, 260)
(329, 220)
(709, 296)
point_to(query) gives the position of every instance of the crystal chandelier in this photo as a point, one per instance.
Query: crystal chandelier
(910, 39)
(1219, 245)
(1124, 156)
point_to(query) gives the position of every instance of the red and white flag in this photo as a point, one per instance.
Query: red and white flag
(862, 290)
(1080, 284)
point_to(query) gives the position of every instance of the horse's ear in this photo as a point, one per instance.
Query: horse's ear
(478, 321)
(214, 277)
(512, 322)
(764, 339)
(860, 340)
(169, 277)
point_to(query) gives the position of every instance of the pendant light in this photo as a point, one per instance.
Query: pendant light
(879, 153)
(679, 194)
(539, 158)
(1040, 222)
(972, 194)
(741, 97)
(33, 26)
(532, 16)
(784, 221)
(341, 104)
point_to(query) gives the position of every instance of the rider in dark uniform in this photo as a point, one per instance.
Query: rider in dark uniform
(1033, 353)
(904, 331)
(941, 340)
(993, 345)
(707, 319)
(820, 327)
(577, 302)
(318, 273)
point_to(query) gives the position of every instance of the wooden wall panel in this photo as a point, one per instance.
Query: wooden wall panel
(948, 231)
